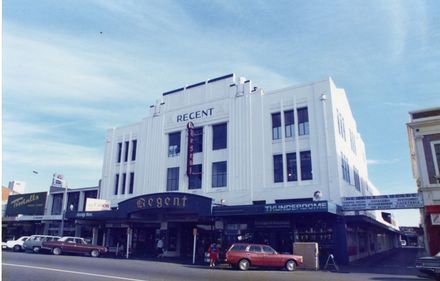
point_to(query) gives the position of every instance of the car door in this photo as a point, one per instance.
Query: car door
(271, 258)
(69, 245)
(256, 255)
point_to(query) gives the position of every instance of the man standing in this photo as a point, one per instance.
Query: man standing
(159, 248)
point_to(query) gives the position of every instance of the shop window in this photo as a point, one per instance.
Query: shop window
(174, 144)
(195, 180)
(131, 184)
(198, 140)
(119, 152)
(278, 168)
(173, 179)
(124, 179)
(133, 150)
(220, 135)
(306, 165)
(303, 121)
(289, 124)
(219, 174)
(276, 126)
(291, 167)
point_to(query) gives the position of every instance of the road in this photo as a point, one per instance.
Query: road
(41, 267)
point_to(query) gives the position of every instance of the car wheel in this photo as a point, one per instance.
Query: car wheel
(17, 248)
(290, 265)
(243, 264)
(56, 251)
(36, 249)
(94, 253)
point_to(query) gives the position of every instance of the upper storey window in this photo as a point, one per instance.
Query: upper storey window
(174, 144)
(119, 152)
(289, 124)
(126, 151)
(303, 121)
(133, 150)
(220, 136)
(198, 140)
(276, 126)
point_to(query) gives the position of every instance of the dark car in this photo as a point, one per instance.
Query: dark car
(76, 245)
(429, 266)
(245, 255)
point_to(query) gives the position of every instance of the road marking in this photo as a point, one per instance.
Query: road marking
(74, 272)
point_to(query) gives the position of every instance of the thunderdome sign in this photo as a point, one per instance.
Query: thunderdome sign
(382, 202)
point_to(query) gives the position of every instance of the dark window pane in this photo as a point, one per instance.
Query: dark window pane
(292, 174)
(173, 179)
(174, 144)
(276, 126)
(195, 180)
(119, 152)
(289, 123)
(124, 179)
(126, 151)
(116, 184)
(219, 174)
(131, 186)
(278, 168)
(306, 165)
(437, 156)
(303, 121)
(133, 150)
(220, 135)
(198, 140)
(57, 204)
(73, 200)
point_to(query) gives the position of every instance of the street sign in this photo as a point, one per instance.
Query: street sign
(382, 202)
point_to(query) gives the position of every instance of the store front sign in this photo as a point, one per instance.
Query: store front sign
(382, 202)
(318, 206)
(93, 205)
(194, 115)
(26, 204)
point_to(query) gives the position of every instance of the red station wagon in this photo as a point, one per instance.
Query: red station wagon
(244, 255)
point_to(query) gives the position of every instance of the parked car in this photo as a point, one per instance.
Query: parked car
(16, 245)
(245, 255)
(35, 242)
(429, 266)
(76, 245)
(4, 246)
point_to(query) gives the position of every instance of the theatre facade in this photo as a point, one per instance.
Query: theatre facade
(226, 161)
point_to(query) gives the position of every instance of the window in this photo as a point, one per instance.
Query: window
(357, 182)
(198, 140)
(291, 167)
(255, 249)
(306, 165)
(276, 126)
(131, 184)
(278, 168)
(341, 125)
(238, 248)
(57, 204)
(173, 144)
(124, 179)
(268, 250)
(345, 168)
(119, 152)
(219, 174)
(303, 121)
(126, 151)
(173, 179)
(133, 150)
(73, 200)
(436, 155)
(116, 185)
(219, 140)
(353, 142)
(195, 180)
(289, 124)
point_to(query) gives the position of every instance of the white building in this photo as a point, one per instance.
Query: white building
(251, 151)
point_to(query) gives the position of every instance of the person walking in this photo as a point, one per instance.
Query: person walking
(159, 248)
(213, 254)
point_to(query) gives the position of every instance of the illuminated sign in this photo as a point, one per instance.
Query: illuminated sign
(26, 204)
(194, 115)
(190, 153)
(382, 202)
(93, 205)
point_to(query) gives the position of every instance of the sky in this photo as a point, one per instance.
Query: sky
(73, 69)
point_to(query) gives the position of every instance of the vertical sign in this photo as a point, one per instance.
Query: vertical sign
(189, 160)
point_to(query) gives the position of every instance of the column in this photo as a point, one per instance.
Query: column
(95, 235)
(340, 240)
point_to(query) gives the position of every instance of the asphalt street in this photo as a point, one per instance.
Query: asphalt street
(41, 267)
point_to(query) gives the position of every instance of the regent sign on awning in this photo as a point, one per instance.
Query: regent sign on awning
(26, 204)
(382, 202)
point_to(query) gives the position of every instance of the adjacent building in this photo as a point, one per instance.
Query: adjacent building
(424, 143)
(230, 162)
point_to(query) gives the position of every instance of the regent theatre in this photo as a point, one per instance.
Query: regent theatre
(227, 161)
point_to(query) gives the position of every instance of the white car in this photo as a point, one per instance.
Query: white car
(16, 245)
(4, 246)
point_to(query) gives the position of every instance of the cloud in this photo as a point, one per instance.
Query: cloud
(383, 161)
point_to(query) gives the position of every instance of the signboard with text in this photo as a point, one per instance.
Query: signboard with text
(382, 202)
(26, 204)
(93, 205)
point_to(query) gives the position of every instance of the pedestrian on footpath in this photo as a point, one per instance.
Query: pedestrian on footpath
(159, 248)
(213, 254)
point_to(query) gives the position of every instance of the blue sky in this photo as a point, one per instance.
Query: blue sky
(65, 82)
